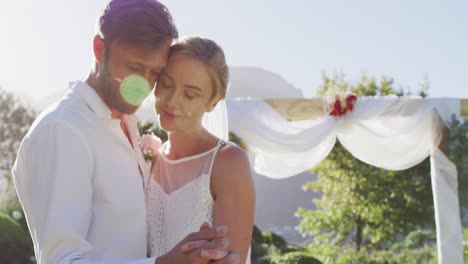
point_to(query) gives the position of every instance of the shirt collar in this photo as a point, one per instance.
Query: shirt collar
(92, 98)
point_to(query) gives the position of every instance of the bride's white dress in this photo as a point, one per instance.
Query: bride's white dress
(178, 198)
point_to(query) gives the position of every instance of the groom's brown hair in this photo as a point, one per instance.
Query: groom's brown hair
(145, 24)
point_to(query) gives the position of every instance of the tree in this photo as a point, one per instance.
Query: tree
(363, 205)
(15, 120)
(456, 148)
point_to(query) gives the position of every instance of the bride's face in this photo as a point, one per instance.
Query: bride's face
(183, 94)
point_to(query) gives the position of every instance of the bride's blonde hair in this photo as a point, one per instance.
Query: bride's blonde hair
(209, 53)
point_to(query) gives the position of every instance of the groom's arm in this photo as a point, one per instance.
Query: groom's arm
(52, 175)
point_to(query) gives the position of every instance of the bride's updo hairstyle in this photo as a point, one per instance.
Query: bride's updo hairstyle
(209, 53)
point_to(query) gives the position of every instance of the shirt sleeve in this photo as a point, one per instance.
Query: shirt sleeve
(53, 179)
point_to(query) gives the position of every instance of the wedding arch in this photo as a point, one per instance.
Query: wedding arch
(288, 136)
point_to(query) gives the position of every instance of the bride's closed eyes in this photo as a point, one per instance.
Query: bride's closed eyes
(167, 82)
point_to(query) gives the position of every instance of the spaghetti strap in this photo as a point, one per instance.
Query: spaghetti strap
(221, 144)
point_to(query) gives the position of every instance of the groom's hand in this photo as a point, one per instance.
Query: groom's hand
(192, 245)
(187, 247)
(223, 257)
(200, 247)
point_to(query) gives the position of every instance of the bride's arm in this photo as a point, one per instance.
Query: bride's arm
(234, 194)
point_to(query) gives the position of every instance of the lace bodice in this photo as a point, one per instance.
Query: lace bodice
(178, 199)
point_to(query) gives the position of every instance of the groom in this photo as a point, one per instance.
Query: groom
(79, 172)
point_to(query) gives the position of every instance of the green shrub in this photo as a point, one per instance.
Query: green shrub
(414, 256)
(350, 255)
(257, 235)
(292, 248)
(258, 250)
(15, 246)
(274, 239)
(270, 248)
(10, 230)
(419, 238)
(298, 257)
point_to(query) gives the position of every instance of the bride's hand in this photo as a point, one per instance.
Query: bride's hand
(200, 247)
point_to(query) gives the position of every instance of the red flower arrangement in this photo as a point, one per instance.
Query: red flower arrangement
(341, 104)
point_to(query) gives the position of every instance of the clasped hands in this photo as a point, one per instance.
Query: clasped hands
(208, 245)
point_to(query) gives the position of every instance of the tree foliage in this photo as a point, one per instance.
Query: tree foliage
(15, 120)
(456, 148)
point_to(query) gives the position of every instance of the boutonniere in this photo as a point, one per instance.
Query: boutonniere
(341, 103)
(150, 145)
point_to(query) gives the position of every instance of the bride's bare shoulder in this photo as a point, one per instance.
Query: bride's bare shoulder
(231, 168)
(231, 156)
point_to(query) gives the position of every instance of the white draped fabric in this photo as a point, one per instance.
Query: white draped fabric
(444, 188)
(393, 133)
(216, 121)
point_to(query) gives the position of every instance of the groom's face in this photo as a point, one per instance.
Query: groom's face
(119, 61)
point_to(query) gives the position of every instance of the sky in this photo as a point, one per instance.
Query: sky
(46, 44)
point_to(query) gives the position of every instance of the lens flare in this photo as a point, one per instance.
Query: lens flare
(134, 89)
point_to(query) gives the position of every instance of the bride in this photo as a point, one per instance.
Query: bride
(196, 178)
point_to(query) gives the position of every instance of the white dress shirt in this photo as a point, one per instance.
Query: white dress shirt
(79, 181)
